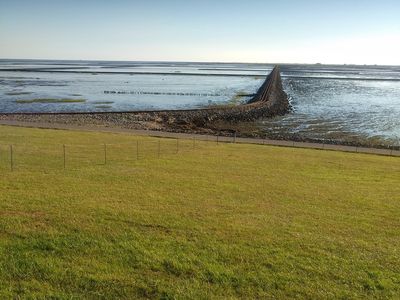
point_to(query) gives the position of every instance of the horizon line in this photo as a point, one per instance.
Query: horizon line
(210, 62)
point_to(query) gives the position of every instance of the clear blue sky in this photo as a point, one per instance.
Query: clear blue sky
(303, 31)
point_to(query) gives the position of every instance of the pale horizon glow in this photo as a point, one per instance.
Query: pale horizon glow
(303, 31)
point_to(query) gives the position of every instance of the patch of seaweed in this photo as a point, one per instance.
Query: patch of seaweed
(49, 100)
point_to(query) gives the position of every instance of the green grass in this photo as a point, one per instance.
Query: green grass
(17, 93)
(238, 97)
(50, 100)
(217, 221)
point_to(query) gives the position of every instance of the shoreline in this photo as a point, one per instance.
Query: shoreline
(393, 151)
(146, 122)
(270, 100)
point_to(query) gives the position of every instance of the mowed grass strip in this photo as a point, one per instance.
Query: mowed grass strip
(219, 221)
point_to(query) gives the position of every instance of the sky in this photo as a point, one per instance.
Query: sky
(281, 31)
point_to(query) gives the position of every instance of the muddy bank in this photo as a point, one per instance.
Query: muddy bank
(344, 140)
(270, 100)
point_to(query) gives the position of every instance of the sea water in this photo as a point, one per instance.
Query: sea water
(328, 102)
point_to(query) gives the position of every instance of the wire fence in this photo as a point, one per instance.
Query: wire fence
(14, 157)
(25, 156)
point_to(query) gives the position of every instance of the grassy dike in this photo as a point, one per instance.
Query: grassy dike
(216, 221)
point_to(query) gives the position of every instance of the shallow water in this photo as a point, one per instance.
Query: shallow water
(345, 103)
(115, 84)
(348, 111)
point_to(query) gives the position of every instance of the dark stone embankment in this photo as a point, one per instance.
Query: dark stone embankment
(269, 101)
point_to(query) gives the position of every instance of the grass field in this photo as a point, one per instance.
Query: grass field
(216, 221)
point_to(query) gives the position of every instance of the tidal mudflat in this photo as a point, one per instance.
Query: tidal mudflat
(344, 103)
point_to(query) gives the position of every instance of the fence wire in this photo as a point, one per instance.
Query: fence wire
(25, 156)
(36, 156)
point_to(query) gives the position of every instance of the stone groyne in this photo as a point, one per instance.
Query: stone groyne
(270, 100)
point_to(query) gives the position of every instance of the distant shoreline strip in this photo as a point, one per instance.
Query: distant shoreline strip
(192, 74)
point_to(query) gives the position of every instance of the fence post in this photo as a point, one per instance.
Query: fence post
(137, 150)
(398, 144)
(64, 156)
(105, 154)
(11, 158)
